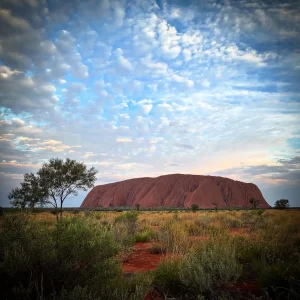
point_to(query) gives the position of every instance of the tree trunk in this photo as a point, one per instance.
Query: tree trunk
(61, 204)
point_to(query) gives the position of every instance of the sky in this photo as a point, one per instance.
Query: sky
(145, 88)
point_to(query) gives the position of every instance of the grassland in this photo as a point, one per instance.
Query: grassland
(251, 254)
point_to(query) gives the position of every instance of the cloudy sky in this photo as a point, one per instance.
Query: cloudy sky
(146, 88)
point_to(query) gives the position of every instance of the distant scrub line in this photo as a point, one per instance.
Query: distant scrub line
(123, 208)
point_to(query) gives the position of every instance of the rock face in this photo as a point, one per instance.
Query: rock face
(176, 190)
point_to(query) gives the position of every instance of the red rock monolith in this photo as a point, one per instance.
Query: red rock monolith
(175, 190)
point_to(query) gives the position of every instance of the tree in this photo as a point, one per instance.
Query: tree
(194, 207)
(63, 178)
(254, 202)
(282, 203)
(30, 194)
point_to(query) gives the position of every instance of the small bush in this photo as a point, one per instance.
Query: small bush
(257, 222)
(133, 287)
(201, 271)
(260, 212)
(167, 276)
(144, 236)
(281, 280)
(209, 266)
(38, 260)
(194, 207)
(231, 221)
(174, 238)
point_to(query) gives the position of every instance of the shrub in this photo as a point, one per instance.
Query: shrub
(232, 222)
(280, 280)
(204, 221)
(254, 202)
(124, 230)
(167, 276)
(38, 260)
(175, 216)
(282, 203)
(124, 235)
(144, 236)
(128, 216)
(257, 222)
(174, 238)
(203, 269)
(209, 266)
(271, 244)
(194, 207)
(78, 293)
(133, 287)
(260, 212)
(194, 228)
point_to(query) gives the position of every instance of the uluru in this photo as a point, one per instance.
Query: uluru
(175, 190)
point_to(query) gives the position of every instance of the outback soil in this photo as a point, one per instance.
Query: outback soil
(142, 259)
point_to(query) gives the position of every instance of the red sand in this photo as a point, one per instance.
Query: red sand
(176, 190)
(142, 259)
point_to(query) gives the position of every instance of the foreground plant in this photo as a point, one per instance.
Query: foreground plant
(38, 262)
(205, 268)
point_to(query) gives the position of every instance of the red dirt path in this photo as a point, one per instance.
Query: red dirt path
(142, 259)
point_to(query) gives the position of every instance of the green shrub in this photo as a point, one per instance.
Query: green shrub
(133, 287)
(37, 261)
(129, 218)
(209, 266)
(260, 212)
(124, 235)
(281, 280)
(194, 207)
(78, 293)
(201, 271)
(167, 276)
(174, 238)
(144, 236)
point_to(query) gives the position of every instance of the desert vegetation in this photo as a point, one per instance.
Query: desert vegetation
(250, 254)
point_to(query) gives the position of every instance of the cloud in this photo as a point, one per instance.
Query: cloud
(123, 140)
(135, 80)
(89, 154)
(125, 63)
(145, 106)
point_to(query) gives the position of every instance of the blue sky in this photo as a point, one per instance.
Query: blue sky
(146, 88)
